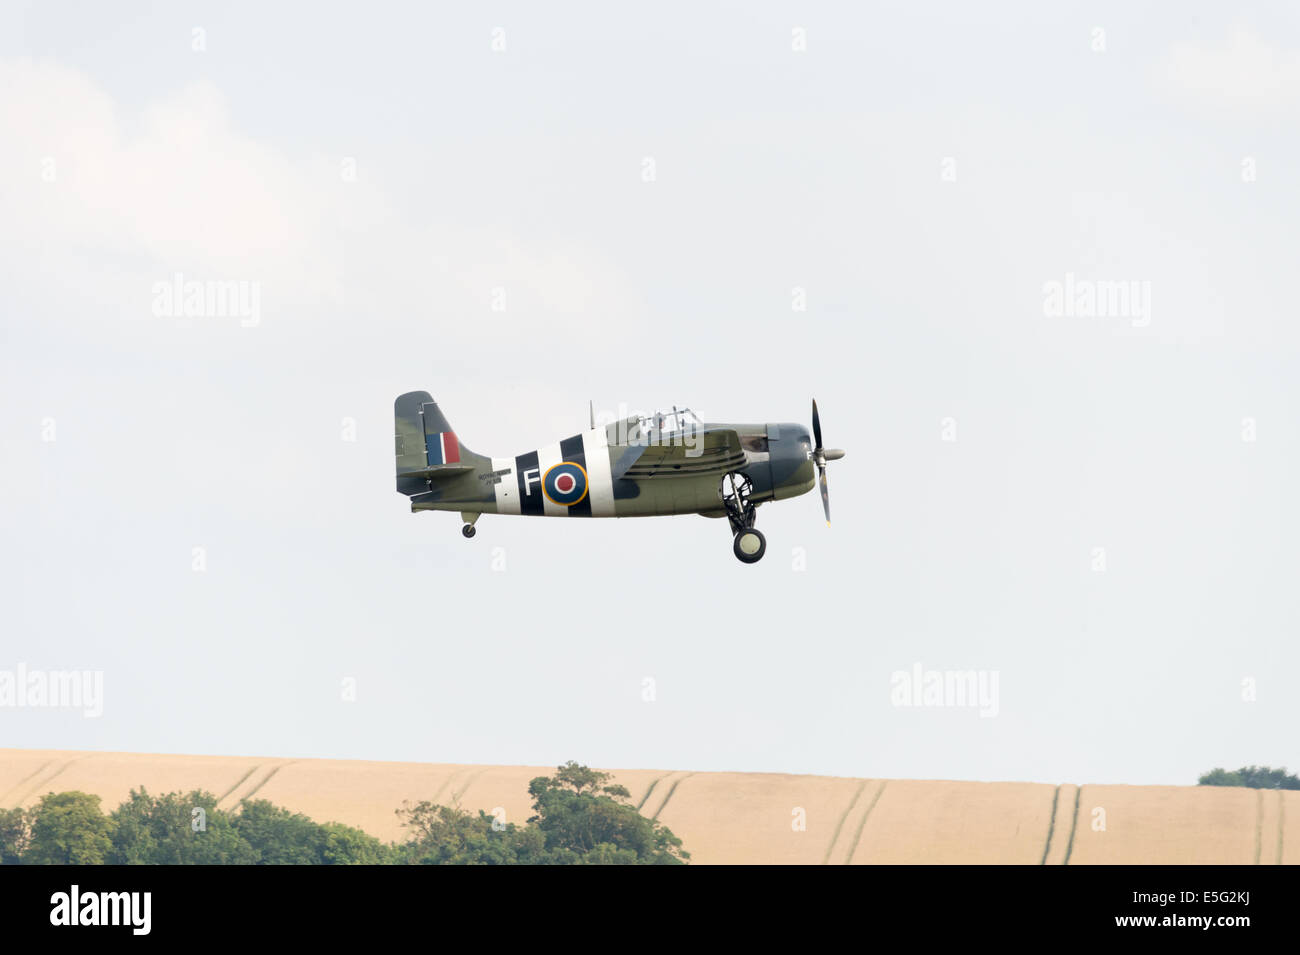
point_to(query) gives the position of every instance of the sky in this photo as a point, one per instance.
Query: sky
(1034, 263)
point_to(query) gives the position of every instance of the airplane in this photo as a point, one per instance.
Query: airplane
(639, 466)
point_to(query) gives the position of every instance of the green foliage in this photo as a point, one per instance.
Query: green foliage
(15, 831)
(280, 837)
(447, 835)
(160, 830)
(1253, 777)
(586, 821)
(69, 829)
(1220, 777)
(345, 845)
(581, 819)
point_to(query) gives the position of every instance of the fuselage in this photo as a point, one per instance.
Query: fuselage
(629, 470)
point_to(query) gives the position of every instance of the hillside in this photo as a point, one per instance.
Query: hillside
(738, 817)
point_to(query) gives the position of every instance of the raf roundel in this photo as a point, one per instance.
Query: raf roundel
(566, 483)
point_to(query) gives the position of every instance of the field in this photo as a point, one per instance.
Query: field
(739, 817)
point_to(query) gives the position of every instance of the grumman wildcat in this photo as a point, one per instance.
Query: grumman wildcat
(668, 463)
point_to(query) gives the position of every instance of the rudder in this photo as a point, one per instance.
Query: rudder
(425, 443)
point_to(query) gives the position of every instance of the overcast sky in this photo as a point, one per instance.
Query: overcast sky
(731, 206)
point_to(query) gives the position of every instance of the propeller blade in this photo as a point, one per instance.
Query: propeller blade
(820, 456)
(826, 498)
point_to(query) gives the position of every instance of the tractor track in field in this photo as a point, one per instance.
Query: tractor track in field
(1259, 825)
(1074, 824)
(41, 783)
(839, 826)
(653, 783)
(1051, 826)
(671, 789)
(238, 782)
(469, 782)
(1281, 823)
(445, 783)
(266, 779)
(18, 785)
(862, 823)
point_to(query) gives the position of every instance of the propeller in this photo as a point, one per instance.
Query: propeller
(820, 456)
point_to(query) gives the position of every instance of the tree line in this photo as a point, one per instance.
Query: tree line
(1252, 777)
(580, 818)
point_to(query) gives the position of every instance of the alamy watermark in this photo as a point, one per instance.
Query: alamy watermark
(192, 298)
(677, 428)
(1089, 298)
(130, 909)
(53, 689)
(945, 688)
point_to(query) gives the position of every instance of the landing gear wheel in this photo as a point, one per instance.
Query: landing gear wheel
(750, 545)
(468, 531)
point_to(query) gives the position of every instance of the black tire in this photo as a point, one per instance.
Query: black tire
(468, 531)
(747, 554)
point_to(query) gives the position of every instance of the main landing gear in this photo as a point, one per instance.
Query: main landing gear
(469, 519)
(749, 545)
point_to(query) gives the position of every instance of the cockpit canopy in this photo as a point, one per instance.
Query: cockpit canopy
(640, 427)
(667, 422)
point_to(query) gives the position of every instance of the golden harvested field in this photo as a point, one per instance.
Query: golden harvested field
(1175, 824)
(739, 817)
(957, 822)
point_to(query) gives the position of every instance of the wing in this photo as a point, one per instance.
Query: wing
(715, 451)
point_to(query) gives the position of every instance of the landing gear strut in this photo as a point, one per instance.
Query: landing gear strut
(749, 544)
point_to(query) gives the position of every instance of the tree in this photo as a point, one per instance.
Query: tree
(69, 829)
(278, 836)
(582, 818)
(15, 831)
(1253, 777)
(585, 820)
(1220, 777)
(161, 830)
(345, 845)
(447, 835)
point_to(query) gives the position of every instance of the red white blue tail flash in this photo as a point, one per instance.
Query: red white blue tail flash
(442, 448)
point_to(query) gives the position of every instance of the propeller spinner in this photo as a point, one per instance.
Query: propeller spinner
(820, 456)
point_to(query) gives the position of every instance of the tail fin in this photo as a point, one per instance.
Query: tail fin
(426, 445)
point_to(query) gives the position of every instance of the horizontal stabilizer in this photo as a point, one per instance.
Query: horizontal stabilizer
(442, 470)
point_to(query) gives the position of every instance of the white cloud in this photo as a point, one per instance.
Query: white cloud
(1245, 74)
(178, 187)
(177, 183)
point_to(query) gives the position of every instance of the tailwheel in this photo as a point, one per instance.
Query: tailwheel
(468, 531)
(750, 545)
